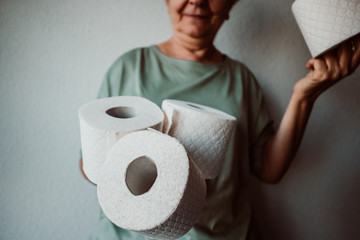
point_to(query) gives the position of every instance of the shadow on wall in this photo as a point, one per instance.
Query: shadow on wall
(349, 209)
(266, 38)
(318, 198)
(263, 30)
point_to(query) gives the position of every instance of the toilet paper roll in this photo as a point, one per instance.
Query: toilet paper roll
(149, 185)
(106, 120)
(205, 132)
(325, 24)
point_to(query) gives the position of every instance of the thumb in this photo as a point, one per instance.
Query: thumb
(310, 64)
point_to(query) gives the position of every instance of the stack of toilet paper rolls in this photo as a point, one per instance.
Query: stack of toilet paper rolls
(326, 24)
(149, 164)
(104, 121)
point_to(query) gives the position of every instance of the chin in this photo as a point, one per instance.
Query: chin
(197, 33)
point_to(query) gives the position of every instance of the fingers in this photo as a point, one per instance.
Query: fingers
(315, 63)
(325, 67)
(345, 54)
(310, 64)
(333, 66)
(344, 60)
(355, 60)
(329, 68)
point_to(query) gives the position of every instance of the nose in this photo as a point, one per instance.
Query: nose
(199, 3)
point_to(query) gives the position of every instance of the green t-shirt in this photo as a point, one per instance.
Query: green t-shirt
(228, 86)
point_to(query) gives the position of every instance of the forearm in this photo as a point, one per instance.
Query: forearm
(282, 147)
(324, 72)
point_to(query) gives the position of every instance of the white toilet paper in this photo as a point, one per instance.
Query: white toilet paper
(327, 23)
(149, 185)
(104, 121)
(205, 132)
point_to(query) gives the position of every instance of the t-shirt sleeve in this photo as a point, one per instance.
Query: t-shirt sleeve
(260, 125)
(113, 82)
(117, 81)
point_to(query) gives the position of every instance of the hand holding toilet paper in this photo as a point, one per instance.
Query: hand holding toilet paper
(147, 181)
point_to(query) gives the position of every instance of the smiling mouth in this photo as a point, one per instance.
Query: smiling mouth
(196, 16)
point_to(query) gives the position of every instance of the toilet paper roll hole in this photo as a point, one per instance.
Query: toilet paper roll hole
(122, 112)
(141, 175)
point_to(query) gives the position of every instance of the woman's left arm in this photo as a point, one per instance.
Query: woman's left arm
(324, 72)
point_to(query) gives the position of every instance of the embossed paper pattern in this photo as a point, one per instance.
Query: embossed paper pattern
(326, 23)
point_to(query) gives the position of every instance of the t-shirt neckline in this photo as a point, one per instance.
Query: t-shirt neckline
(186, 61)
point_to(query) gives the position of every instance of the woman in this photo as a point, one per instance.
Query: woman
(189, 67)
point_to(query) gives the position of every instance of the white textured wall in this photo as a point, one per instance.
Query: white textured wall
(53, 56)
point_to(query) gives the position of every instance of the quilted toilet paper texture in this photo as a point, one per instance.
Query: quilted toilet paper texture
(94, 157)
(206, 142)
(99, 131)
(326, 23)
(204, 133)
(171, 206)
(185, 216)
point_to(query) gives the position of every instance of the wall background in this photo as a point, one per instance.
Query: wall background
(53, 56)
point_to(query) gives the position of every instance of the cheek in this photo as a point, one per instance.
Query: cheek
(175, 8)
(176, 5)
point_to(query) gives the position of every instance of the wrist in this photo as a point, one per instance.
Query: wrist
(303, 99)
(303, 93)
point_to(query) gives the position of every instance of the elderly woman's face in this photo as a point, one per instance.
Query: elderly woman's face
(198, 18)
